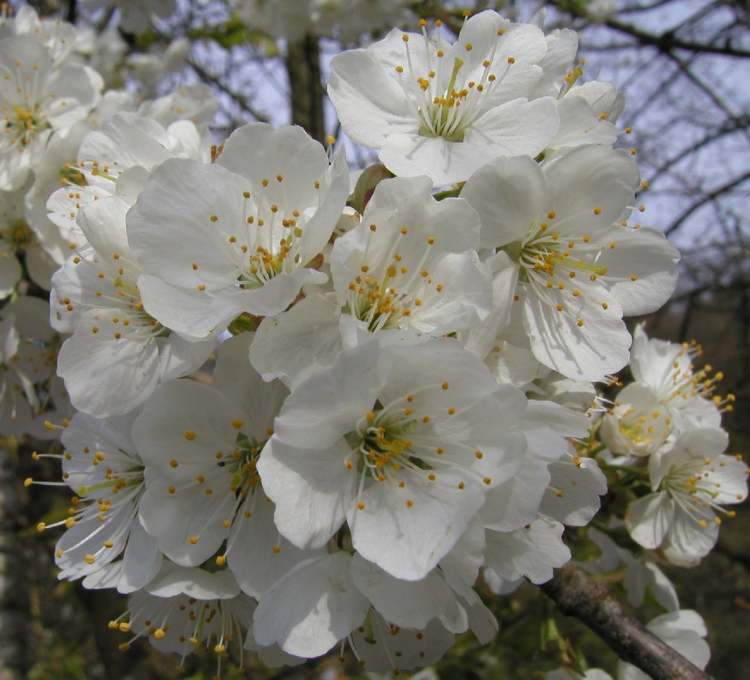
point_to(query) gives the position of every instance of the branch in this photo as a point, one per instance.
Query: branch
(707, 198)
(665, 42)
(241, 100)
(303, 70)
(577, 594)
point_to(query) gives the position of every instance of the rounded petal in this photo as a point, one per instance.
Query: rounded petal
(370, 104)
(311, 608)
(108, 377)
(649, 519)
(510, 195)
(407, 531)
(312, 489)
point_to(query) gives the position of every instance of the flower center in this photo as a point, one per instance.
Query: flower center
(545, 254)
(378, 303)
(17, 235)
(448, 99)
(24, 123)
(243, 463)
(643, 430)
(69, 174)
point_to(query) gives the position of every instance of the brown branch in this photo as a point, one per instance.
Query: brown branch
(303, 69)
(577, 594)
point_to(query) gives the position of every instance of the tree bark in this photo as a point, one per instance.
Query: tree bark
(577, 594)
(306, 89)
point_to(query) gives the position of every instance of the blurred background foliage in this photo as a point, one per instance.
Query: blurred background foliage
(684, 67)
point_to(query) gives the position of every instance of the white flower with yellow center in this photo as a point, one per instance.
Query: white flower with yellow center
(399, 442)
(670, 396)
(638, 424)
(201, 446)
(240, 235)
(409, 265)
(685, 390)
(118, 353)
(104, 542)
(117, 159)
(579, 269)
(443, 109)
(36, 100)
(691, 484)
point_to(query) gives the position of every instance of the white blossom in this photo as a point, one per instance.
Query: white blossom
(104, 542)
(201, 445)
(400, 442)
(118, 353)
(409, 265)
(445, 109)
(240, 235)
(37, 99)
(579, 269)
(690, 485)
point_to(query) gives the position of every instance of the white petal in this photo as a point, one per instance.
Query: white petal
(311, 608)
(646, 255)
(518, 128)
(108, 377)
(649, 519)
(312, 489)
(509, 194)
(573, 497)
(581, 351)
(586, 178)
(298, 342)
(259, 556)
(515, 503)
(409, 604)
(323, 408)
(141, 561)
(530, 552)
(370, 104)
(408, 530)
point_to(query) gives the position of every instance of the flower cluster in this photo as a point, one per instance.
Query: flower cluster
(294, 419)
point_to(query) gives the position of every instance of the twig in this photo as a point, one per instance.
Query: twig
(243, 101)
(577, 594)
(706, 198)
